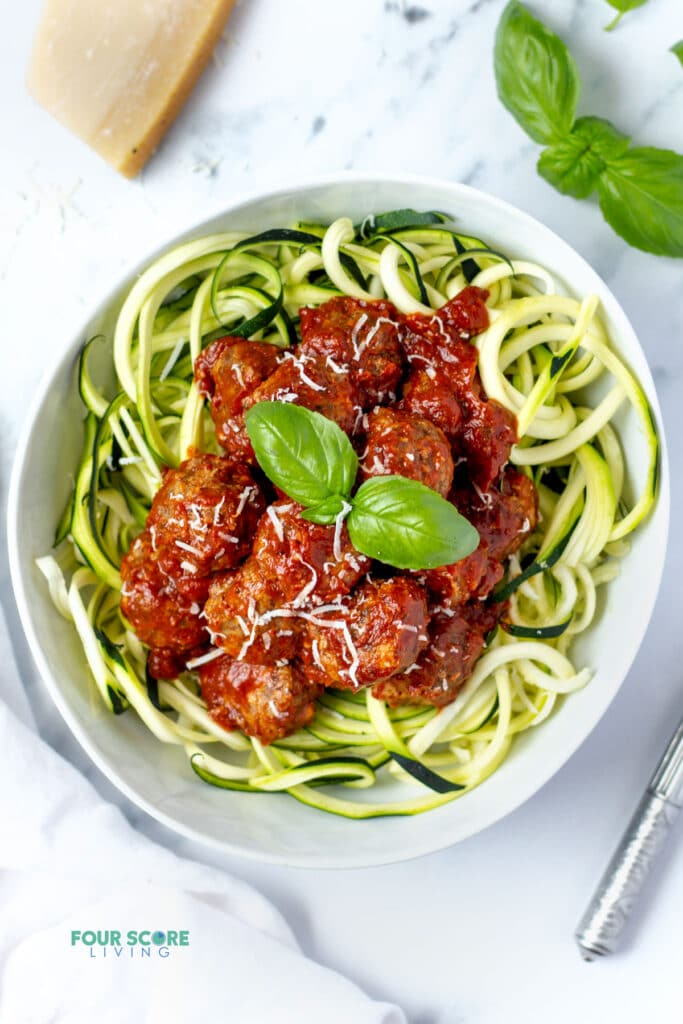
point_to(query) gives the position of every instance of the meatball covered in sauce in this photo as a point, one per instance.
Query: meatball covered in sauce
(310, 564)
(304, 380)
(161, 615)
(431, 396)
(226, 372)
(454, 584)
(443, 385)
(410, 446)
(377, 632)
(487, 436)
(264, 701)
(203, 518)
(505, 515)
(240, 616)
(456, 639)
(360, 337)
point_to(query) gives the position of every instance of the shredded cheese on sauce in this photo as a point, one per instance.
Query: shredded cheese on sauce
(188, 547)
(335, 367)
(238, 375)
(305, 379)
(340, 624)
(338, 526)
(315, 651)
(358, 326)
(308, 588)
(277, 523)
(359, 349)
(217, 510)
(204, 658)
(245, 496)
(442, 330)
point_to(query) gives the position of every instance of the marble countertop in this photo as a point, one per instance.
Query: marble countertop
(480, 933)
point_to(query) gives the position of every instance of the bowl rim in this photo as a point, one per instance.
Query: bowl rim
(73, 329)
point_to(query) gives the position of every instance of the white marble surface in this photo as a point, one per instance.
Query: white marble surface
(481, 933)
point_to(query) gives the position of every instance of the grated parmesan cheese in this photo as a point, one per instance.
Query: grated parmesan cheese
(316, 655)
(338, 526)
(359, 349)
(204, 658)
(335, 367)
(238, 375)
(217, 510)
(308, 588)
(358, 326)
(188, 547)
(245, 496)
(274, 709)
(277, 523)
(305, 379)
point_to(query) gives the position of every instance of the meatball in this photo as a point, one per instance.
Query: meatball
(237, 603)
(264, 701)
(226, 372)
(312, 383)
(456, 639)
(203, 518)
(309, 563)
(505, 515)
(440, 341)
(454, 584)
(428, 393)
(466, 315)
(408, 446)
(159, 613)
(444, 385)
(488, 433)
(380, 630)
(363, 338)
(165, 663)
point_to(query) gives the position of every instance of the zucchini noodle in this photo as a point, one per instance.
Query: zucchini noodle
(540, 353)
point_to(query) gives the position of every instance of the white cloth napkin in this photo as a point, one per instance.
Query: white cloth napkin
(70, 861)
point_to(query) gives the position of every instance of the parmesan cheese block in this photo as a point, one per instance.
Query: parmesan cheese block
(116, 72)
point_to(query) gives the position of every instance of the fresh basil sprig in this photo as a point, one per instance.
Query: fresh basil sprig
(574, 164)
(677, 50)
(622, 6)
(640, 189)
(390, 518)
(536, 75)
(641, 196)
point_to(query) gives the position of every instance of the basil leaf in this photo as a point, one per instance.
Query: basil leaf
(405, 524)
(305, 454)
(536, 76)
(677, 50)
(574, 165)
(641, 197)
(326, 512)
(622, 6)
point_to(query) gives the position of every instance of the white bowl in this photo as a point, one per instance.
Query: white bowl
(275, 827)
